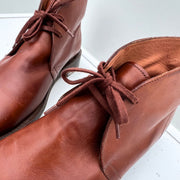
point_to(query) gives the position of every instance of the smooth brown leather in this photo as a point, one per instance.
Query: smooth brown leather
(28, 72)
(158, 100)
(78, 141)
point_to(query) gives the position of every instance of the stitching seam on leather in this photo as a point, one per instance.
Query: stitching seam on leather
(134, 65)
(158, 79)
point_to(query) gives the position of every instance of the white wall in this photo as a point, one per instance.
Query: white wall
(110, 24)
(18, 6)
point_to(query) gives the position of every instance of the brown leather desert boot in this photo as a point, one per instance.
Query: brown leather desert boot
(98, 130)
(50, 40)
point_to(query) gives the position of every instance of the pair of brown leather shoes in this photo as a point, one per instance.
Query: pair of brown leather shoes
(99, 129)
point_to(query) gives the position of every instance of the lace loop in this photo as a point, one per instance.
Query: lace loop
(106, 90)
(42, 21)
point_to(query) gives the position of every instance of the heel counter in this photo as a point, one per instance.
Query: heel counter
(71, 49)
(67, 47)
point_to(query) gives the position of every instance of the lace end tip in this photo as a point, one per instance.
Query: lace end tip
(118, 131)
(118, 136)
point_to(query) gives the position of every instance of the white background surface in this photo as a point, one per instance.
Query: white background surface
(162, 162)
(18, 6)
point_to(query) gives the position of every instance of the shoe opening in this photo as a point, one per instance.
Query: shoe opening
(155, 55)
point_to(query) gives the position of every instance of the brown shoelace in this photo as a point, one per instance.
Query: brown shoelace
(105, 89)
(42, 21)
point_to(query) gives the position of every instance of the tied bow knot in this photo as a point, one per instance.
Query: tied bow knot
(108, 81)
(42, 14)
(43, 21)
(105, 89)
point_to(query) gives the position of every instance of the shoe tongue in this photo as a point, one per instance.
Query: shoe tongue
(131, 75)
